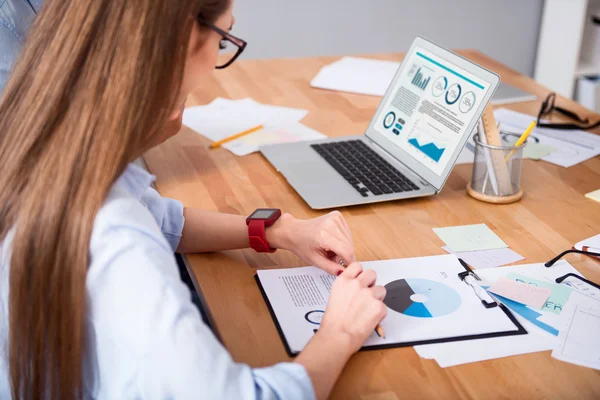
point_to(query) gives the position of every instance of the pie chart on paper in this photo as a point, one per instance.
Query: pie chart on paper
(421, 298)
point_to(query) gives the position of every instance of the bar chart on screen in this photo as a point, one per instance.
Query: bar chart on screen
(421, 76)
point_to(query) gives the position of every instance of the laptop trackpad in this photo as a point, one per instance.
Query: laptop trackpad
(313, 173)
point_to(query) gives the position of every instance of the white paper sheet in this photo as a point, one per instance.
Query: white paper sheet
(373, 77)
(487, 258)
(298, 297)
(533, 151)
(294, 132)
(580, 340)
(223, 118)
(457, 353)
(593, 242)
(357, 75)
(573, 147)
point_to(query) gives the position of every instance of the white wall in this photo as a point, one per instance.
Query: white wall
(507, 30)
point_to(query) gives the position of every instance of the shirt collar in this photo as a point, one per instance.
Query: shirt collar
(136, 180)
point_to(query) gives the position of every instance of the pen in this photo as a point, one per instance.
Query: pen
(236, 136)
(521, 140)
(378, 329)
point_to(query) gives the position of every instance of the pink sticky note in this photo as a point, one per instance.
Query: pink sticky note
(530, 295)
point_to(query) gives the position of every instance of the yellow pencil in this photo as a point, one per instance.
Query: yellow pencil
(236, 136)
(521, 140)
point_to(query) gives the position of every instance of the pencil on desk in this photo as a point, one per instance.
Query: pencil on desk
(236, 136)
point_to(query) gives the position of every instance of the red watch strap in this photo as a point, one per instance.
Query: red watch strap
(258, 239)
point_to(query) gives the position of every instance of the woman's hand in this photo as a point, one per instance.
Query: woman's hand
(355, 307)
(323, 241)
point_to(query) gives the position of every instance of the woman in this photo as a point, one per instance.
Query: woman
(93, 304)
(15, 18)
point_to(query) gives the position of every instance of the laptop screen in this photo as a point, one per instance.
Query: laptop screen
(429, 109)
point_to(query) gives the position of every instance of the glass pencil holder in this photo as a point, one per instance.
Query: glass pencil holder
(497, 171)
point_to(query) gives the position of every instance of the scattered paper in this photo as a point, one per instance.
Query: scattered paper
(530, 295)
(573, 147)
(224, 118)
(537, 339)
(582, 288)
(373, 77)
(271, 135)
(579, 342)
(590, 244)
(487, 258)
(469, 238)
(537, 151)
(558, 298)
(595, 195)
(357, 75)
(451, 354)
(533, 151)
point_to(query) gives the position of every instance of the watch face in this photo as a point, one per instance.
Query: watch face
(263, 213)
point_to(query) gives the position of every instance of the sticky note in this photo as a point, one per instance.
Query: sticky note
(470, 238)
(529, 295)
(595, 195)
(537, 151)
(482, 259)
(558, 298)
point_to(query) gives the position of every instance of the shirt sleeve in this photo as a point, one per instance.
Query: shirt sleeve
(144, 316)
(168, 213)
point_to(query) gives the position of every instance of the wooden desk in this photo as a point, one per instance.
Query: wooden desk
(553, 215)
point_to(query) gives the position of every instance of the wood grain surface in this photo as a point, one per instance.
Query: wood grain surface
(552, 216)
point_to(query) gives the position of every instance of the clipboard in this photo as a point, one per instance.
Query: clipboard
(519, 329)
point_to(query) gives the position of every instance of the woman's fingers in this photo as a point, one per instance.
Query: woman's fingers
(367, 278)
(341, 248)
(353, 270)
(378, 292)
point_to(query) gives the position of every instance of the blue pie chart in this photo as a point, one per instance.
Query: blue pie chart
(421, 298)
(389, 120)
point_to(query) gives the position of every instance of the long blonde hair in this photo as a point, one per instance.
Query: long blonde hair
(92, 89)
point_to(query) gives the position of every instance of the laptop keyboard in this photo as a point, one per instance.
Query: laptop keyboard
(363, 168)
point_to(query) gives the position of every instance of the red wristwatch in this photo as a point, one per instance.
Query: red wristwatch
(257, 222)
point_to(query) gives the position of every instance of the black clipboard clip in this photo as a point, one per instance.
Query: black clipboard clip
(470, 278)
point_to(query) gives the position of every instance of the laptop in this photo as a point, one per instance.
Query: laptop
(410, 147)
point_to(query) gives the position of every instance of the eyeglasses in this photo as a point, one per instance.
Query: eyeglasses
(564, 253)
(548, 106)
(230, 46)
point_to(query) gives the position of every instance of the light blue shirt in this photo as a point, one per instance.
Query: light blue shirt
(146, 338)
(16, 16)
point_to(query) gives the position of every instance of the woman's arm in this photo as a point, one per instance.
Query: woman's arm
(324, 358)
(207, 231)
(322, 241)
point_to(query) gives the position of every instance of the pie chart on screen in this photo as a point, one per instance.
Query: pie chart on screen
(421, 298)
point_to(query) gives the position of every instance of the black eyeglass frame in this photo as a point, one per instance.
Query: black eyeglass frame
(236, 41)
(564, 253)
(549, 105)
